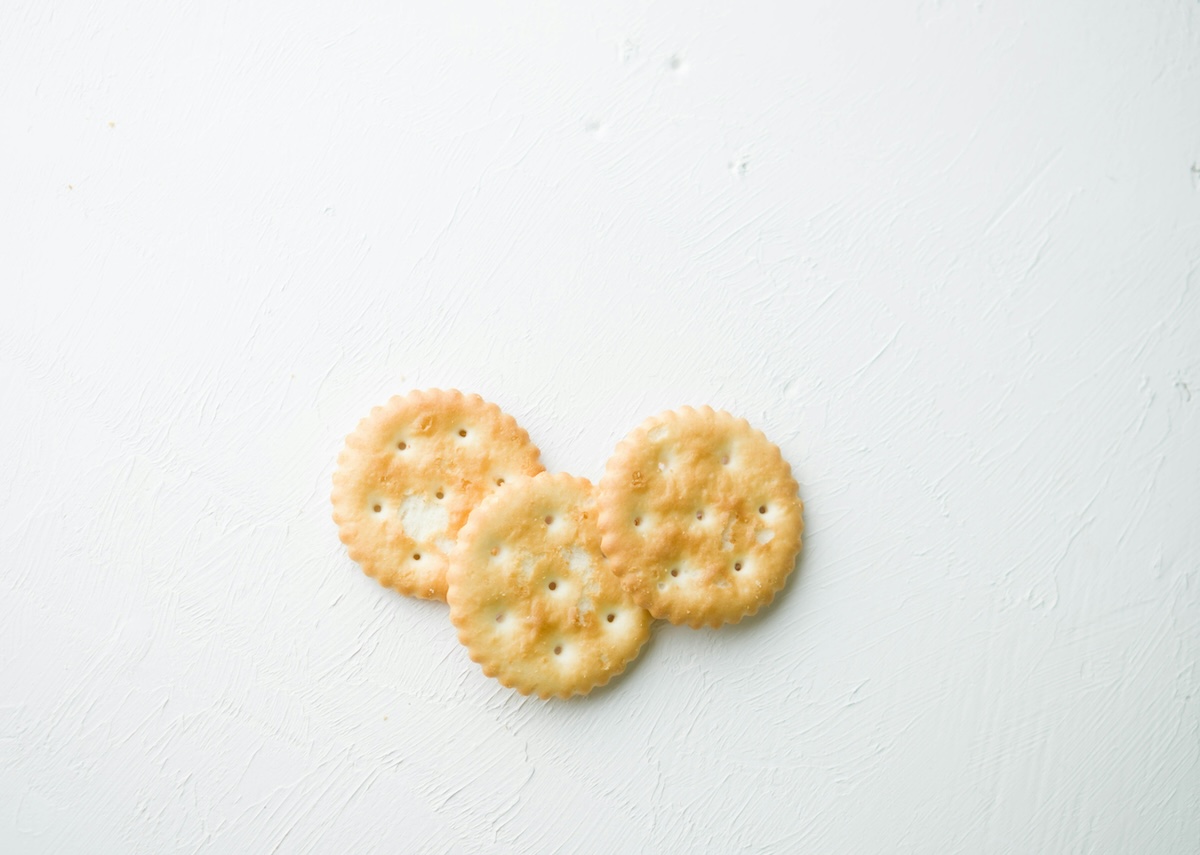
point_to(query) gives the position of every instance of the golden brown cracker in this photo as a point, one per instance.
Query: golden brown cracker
(410, 474)
(700, 517)
(531, 594)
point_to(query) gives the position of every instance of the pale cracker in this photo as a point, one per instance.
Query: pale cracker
(532, 596)
(409, 475)
(700, 517)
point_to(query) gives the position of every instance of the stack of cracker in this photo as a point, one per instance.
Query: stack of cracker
(553, 583)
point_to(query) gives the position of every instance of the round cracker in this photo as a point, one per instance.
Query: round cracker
(700, 517)
(411, 473)
(531, 594)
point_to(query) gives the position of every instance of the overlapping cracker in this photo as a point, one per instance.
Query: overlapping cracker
(532, 596)
(700, 517)
(410, 474)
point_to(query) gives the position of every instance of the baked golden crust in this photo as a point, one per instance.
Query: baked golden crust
(410, 474)
(531, 594)
(700, 517)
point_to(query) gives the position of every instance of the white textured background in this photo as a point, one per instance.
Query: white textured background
(946, 254)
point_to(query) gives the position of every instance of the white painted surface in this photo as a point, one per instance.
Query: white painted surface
(945, 253)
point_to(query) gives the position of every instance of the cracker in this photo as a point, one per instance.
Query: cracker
(700, 517)
(531, 594)
(410, 474)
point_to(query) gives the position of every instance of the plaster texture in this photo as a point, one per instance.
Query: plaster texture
(945, 254)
